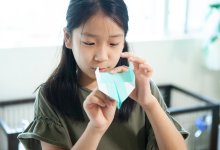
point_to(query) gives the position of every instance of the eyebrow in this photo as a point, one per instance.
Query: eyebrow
(94, 35)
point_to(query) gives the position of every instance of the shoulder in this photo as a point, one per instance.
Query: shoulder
(41, 100)
(47, 126)
(42, 107)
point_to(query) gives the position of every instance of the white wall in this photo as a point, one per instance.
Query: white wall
(22, 70)
(180, 62)
(174, 61)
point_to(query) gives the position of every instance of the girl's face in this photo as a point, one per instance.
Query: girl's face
(97, 43)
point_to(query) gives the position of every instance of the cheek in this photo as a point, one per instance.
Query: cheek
(115, 56)
(83, 57)
(79, 54)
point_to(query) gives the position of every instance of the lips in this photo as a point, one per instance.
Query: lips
(101, 69)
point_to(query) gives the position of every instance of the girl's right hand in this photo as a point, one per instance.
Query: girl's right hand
(100, 110)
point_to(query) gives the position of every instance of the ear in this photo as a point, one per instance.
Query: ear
(67, 38)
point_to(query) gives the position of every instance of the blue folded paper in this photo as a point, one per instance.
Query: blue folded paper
(117, 86)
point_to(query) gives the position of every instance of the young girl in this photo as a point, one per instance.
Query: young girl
(71, 113)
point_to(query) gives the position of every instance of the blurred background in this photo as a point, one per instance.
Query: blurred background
(180, 39)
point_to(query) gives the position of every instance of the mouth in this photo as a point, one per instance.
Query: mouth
(101, 69)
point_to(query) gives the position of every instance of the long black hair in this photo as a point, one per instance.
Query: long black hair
(61, 88)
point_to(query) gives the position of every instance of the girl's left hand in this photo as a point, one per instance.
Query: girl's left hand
(143, 72)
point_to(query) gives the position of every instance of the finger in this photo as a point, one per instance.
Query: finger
(146, 69)
(132, 58)
(93, 100)
(103, 97)
(127, 54)
(137, 60)
(119, 69)
(109, 111)
(99, 94)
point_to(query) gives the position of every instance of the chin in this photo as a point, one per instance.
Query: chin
(92, 76)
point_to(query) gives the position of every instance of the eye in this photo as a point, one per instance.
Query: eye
(88, 43)
(114, 44)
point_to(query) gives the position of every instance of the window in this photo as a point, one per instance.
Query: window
(31, 22)
(40, 22)
(186, 16)
(151, 19)
(198, 11)
(146, 18)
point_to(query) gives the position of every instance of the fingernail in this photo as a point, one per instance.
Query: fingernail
(112, 71)
(131, 58)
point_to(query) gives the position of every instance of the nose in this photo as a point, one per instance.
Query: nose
(101, 54)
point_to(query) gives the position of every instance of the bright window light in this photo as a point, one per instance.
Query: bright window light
(36, 23)
(31, 22)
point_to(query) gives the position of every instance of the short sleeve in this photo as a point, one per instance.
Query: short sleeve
(46, 127)
(152, 145)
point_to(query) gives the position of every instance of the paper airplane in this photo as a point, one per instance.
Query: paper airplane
(117, 86)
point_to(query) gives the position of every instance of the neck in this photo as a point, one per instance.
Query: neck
(87, 82)
(91, 85)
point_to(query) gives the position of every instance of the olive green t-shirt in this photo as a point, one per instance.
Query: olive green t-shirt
(50, 126)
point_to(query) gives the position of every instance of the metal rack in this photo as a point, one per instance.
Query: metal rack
(176, 107)
(9, 111)
(202, 104)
